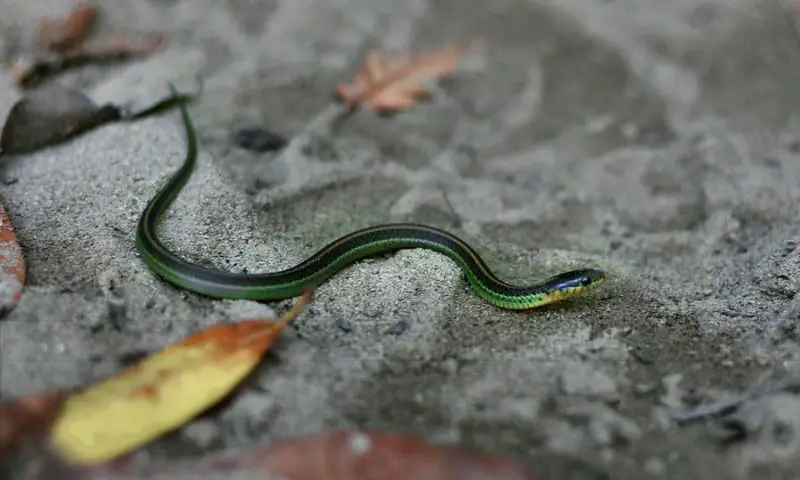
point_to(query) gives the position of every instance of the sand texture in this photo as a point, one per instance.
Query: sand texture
(656, 140)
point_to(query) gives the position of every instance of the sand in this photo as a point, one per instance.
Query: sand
(657, 140)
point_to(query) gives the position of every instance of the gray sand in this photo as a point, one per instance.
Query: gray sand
(654, 139)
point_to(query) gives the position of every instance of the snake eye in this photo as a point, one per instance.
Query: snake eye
(586, 281)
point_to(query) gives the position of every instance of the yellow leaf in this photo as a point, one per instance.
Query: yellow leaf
(163, 391)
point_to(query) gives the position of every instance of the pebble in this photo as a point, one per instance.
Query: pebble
(259, 139)
(580, 379)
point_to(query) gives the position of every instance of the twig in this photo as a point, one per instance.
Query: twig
(726, 407)
(457, 220)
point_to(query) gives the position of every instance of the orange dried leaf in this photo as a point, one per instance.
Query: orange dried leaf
(12, 263)
(393, 82)
(163, 391)
(357, 455)
(25, 418)
(59, 35)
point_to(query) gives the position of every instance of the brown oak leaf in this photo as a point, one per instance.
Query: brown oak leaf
(387, 82)
(58, 34)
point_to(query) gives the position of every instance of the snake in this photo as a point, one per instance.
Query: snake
(325, 263)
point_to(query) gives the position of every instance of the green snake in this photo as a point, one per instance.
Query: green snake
(318, 268)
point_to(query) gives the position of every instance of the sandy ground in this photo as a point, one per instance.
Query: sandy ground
(654, 139)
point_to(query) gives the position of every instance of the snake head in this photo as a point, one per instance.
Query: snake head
(575, 282)
(591, 277)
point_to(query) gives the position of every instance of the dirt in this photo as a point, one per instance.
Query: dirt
(656, 140)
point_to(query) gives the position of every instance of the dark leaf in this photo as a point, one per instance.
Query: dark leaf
(50, 116)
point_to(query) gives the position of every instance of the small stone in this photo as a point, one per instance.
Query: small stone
(581, 379)
(644, 388)
(603, 424)
(450, 366)
(747, 420)
(259, 139)
(641, 355)
(673, 395)
(249, 409)
(661, 418)
(117, 314)
(201, 432)
(629, 131)
(132, 357)
(654, 466)
(359, 443)
(344, 325)
(398, 328)
(782, 433)
(607, 454)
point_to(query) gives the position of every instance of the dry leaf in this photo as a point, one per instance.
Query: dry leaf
(350, 455)
(120, 45)
(69, 46)
(393, 82)
(163, 391)
(60, 35)
(354, 455)
(25, 418)
(30, 70)
(12, 277)
(340, 455)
